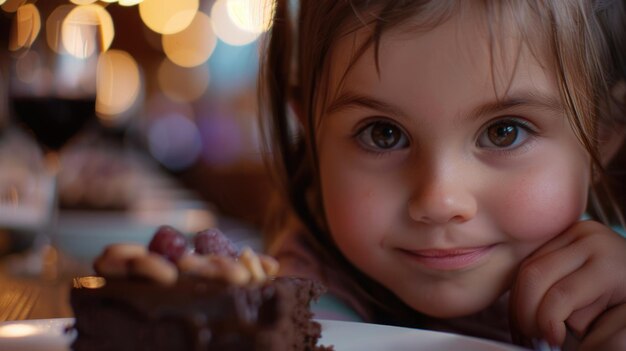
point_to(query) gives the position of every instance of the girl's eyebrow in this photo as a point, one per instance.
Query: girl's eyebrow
(517, 99)
(349, 99)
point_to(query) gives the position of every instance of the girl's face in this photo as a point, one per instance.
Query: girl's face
(443, 170)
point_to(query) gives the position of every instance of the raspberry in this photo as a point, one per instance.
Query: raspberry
(213, 241)
(169, 243)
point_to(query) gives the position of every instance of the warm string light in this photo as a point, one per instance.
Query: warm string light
(26, 27)
(189, 36)
(54, 25)
(129, 2)
(11, 6)
(182, 84)
(118, 85)
(87, 29)
(251, 15)
(192, 46)
(189, 33)
(167, 16)
(227, 29)
(83, 2)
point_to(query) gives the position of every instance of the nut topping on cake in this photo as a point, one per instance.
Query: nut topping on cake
(113, 262)
(191, 263)
(252, 262)
(269, 264)
(229, 269)
(167, 256)
(155, 267)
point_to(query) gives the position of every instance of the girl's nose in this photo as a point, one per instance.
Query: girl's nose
(441, 200)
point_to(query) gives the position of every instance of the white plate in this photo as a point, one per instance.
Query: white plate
(350, 336)
(50, 335)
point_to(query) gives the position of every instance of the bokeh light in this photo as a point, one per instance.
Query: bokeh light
(226, 29)
(221, 139)
(193, 45)
(54, 25)
(168, 16)
(26, 27)
(174, 141)
(252, 15)
(74, 76)
(83, 2)
(87, 28)
(12, 5)
(180, 83)
(129, 2)
(118, 85)
(199, 50)
(32, 75)
(28, 66)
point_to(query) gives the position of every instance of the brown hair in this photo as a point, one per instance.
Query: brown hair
(612, 14)
(295, 71)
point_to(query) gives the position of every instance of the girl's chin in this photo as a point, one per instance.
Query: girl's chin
(455, 307)
(447, 312)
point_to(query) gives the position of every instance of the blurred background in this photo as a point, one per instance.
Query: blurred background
(117, 116)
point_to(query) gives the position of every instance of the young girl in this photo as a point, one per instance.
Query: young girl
(441, 159)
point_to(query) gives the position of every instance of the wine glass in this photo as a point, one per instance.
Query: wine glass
(52, 96)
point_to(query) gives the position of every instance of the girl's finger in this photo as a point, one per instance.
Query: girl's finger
(608, 333)
(577, 291)
(576, 232)
(534, 279)
(580, 320)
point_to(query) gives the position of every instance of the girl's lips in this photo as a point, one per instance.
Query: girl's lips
(449, 259)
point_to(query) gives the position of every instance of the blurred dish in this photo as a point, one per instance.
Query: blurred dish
(115, 195)
(26, 189)
(98, 178)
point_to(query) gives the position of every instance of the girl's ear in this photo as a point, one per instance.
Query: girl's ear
(612, 134)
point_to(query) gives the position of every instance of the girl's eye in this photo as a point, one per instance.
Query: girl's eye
(382, 135)
(504, 134)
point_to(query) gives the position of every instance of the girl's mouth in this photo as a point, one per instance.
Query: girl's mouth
(449, 259)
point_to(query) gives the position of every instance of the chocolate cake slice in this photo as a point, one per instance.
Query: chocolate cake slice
(211, 296)
(195, 313)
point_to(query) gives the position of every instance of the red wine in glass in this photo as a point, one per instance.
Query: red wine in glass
(53, 120)
(52, 96)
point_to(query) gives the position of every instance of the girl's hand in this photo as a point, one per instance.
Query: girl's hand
(569, 282)
(608, 333)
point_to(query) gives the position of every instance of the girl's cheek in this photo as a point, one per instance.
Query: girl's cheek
(543, 206)
(351, 209)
